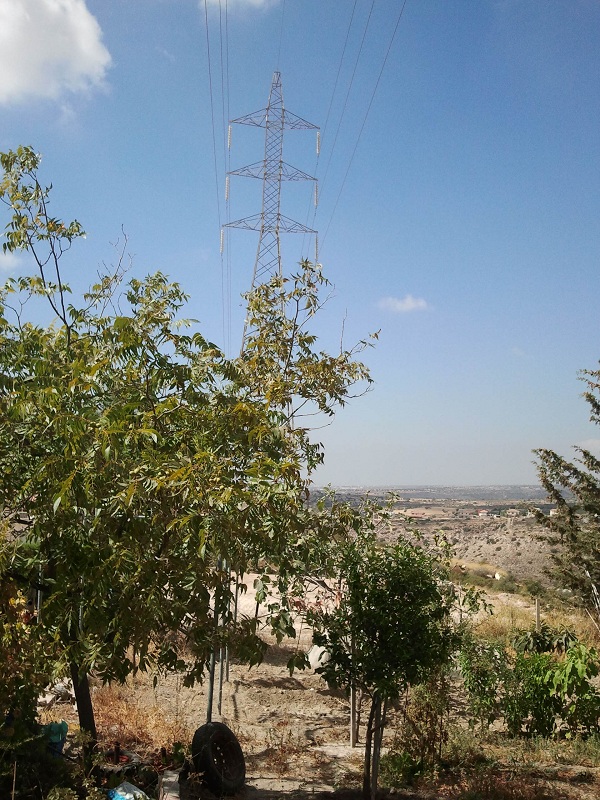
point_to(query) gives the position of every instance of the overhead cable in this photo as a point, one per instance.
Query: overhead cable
(365, 118)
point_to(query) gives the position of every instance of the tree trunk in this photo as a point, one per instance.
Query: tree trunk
(85, 710)
(377, 742)
(375, 702)
(373, 741)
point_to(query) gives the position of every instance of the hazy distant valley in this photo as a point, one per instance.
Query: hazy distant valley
(490, 528)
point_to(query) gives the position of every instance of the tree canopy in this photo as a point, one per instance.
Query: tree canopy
(390, 628)
(141, 460)
(574, 486)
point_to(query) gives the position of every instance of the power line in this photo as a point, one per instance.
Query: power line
(226, 303)
(347, 94)
(339, 69)
(214, 142)
(393, 37)
(227, 168)
(313, 206)
(225, 259)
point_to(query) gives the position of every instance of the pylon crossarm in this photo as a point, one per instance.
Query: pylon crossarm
(251, 171)
(257, 118)
(293, 122)
(284, 172)
(260, 119)
(253, 223)
(289, 173)
(291, 226)
(258, 223)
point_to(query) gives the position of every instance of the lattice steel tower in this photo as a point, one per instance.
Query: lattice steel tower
(272, 170)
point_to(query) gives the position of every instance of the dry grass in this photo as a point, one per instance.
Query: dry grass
(481, 568)
(575, 620)
(505, 621)
(493, 783)
(119, 718)
(284, 747)
(493, 766)
(518, 613)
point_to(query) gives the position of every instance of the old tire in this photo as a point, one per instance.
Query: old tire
(217, 754)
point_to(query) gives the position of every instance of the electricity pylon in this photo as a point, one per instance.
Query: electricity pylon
(272, 170)
(270, 222)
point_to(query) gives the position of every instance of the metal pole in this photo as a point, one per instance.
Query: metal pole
(213, 656)
(223, 653)
(211, 675)
(353, 731)
(235, 612)
(221, 669)
(39, 595)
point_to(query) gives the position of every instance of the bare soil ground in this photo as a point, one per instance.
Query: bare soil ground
(512, 545)
(294, 731)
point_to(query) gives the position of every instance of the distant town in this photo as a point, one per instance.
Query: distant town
(490, 494)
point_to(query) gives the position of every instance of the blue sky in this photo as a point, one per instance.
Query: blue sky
(459, 195)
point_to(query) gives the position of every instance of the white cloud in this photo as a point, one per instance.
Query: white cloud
(68, 115)
(9, 262)
(48, 47)
(403, 305)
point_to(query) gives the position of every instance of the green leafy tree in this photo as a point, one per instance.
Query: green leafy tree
(573, 683)
(141, 460)
(528, 703)
(391, 628)
(574, 486)
(547, 694)
(484, 666)
(23, 664)
(543, 688)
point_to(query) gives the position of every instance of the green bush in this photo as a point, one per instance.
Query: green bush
(535, 588)
(544, 640)
(572, 684)
(483, 665)
(529, 705)
(538, 691)
(399, 769)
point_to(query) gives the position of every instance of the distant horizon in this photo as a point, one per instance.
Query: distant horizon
(428, 485)
(486, 493)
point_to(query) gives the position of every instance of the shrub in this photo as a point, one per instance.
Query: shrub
(423, 732)
(529, 703)
(398, 769)
(544, 640)
(483, 666)
(571, 684)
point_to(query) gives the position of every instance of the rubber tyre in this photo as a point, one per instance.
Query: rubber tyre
(217, 754)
